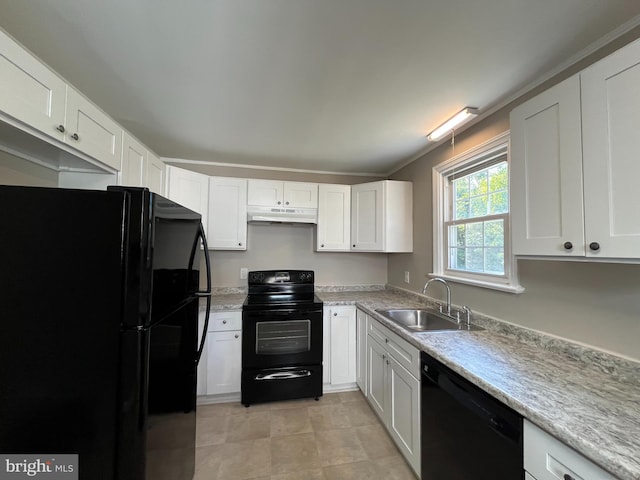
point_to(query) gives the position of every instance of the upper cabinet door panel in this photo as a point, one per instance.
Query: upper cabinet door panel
(190, 189)
(334, 217)
(227, 213)
(367, 228)
(29, 91)
(265, 193)
(301, 194)
(611, 121)
(154, 174)
(134, 157)
(546, 173)
(93, 132)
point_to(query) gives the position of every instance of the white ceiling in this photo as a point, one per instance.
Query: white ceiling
(323, 85)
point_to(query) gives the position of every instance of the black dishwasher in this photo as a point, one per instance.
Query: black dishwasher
(466, 433)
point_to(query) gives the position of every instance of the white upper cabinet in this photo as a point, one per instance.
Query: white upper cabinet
(29, 91)
(574, 164)
(546, 173)
(91, 131)
(227, 213)
(134, 160)
(382, 216)
(611, 142)
(268, 193)
(189, 189)
(154, 173)
(334, 218)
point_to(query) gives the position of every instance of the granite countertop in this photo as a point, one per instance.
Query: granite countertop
(587, 399)
(584, 399)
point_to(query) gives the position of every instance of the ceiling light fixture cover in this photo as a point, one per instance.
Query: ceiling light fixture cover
(458, 119)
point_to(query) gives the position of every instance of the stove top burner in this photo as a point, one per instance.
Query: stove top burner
(281, 289)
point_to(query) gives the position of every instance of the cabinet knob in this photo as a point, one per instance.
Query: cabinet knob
(286, 203)
(224, 322)
(335, 314)
(566, 476)
(60, 128)
(568, 245)
(239, 244)
(322, 245)
(236, 335)
(279, 203)
(595, 246)
(387, 362)
(354, 245)
(386, 340)
(75, 136)
(384, 356)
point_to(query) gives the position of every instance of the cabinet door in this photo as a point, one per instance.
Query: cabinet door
(300, 194)
(224, 357)
(546, 173)
(203, 364)
(134, 156)
(93, 132)
(227, 213)
(189, 189)
(361, 350)
(29, 91)
(154, 174)
(367, 219)
(343, 345)
(334, 217)
(404, 411)
(265, 193)
(611, 115)
(326, 346)
(376, 377)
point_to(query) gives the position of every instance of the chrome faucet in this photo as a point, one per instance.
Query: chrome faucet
(438, 279)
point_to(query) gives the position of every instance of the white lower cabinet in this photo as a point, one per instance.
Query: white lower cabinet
(393, 388)
(339, 347)
(362, 320)
(221, 362)
(547, 458)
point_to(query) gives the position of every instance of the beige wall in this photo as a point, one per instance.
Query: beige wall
(16, 171)
(592, 303)
(292, 247)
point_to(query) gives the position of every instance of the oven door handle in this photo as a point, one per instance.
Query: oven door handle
(283, 375)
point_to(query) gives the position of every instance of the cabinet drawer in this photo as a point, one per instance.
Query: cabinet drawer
(223, 321)
(405, 354)
(547, 458)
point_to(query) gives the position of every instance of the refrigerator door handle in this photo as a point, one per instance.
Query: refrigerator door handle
(206, 294)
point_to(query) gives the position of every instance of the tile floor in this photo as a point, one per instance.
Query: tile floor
(336, 438)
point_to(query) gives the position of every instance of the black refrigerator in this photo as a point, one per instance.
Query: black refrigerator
(99, 301)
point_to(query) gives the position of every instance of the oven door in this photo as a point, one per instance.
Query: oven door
(281, 338)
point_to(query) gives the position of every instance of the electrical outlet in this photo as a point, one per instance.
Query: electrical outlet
(244, 271)
(406, 277)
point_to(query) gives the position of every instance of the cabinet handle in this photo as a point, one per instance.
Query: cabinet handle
(595, 246)
(60, 128)
(387, 362)
(224, 322)
(75, 136)
(384, 356)
(386, 340)
(236, 335)
(568, 245)
(566, 476)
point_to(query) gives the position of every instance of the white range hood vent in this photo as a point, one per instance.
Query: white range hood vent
(256, 214)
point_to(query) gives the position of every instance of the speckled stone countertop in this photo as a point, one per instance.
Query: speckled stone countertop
(588, 400)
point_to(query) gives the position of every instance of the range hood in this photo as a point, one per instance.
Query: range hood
(256, 214)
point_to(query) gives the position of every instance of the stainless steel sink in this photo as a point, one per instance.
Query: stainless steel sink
(424, 320)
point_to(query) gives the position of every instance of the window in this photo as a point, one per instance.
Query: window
(471, 218)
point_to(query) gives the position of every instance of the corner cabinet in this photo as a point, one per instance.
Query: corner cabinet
(393, 388)
(574, 164)
(382, 217)
(339, 348)
(333, 232)
(190, 189)
(227, 213)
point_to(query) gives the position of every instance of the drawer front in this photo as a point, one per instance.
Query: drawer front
(224, 321)
(547, 458)
(405, 354)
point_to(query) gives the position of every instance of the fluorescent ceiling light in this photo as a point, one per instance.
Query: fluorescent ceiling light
(458, 119)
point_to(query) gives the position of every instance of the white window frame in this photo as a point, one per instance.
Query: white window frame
(440, 175)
